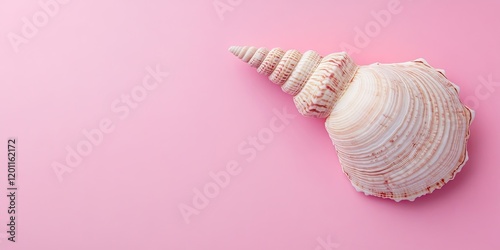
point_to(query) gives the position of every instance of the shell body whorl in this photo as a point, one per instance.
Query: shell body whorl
(399, 129)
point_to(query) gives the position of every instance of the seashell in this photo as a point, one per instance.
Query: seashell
(400, 130)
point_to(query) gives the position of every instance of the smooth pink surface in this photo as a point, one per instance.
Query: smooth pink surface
(292, 194)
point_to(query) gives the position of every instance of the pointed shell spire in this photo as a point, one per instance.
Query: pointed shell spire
(315, 82)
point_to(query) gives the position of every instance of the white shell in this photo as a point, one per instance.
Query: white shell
(400, 130)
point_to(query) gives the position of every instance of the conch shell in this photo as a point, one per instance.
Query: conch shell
(399, 129)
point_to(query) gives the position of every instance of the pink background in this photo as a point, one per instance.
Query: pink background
(126, 193)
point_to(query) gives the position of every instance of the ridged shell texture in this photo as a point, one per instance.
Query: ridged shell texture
(399, 129)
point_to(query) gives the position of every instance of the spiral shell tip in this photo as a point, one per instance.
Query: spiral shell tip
(235, 50)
